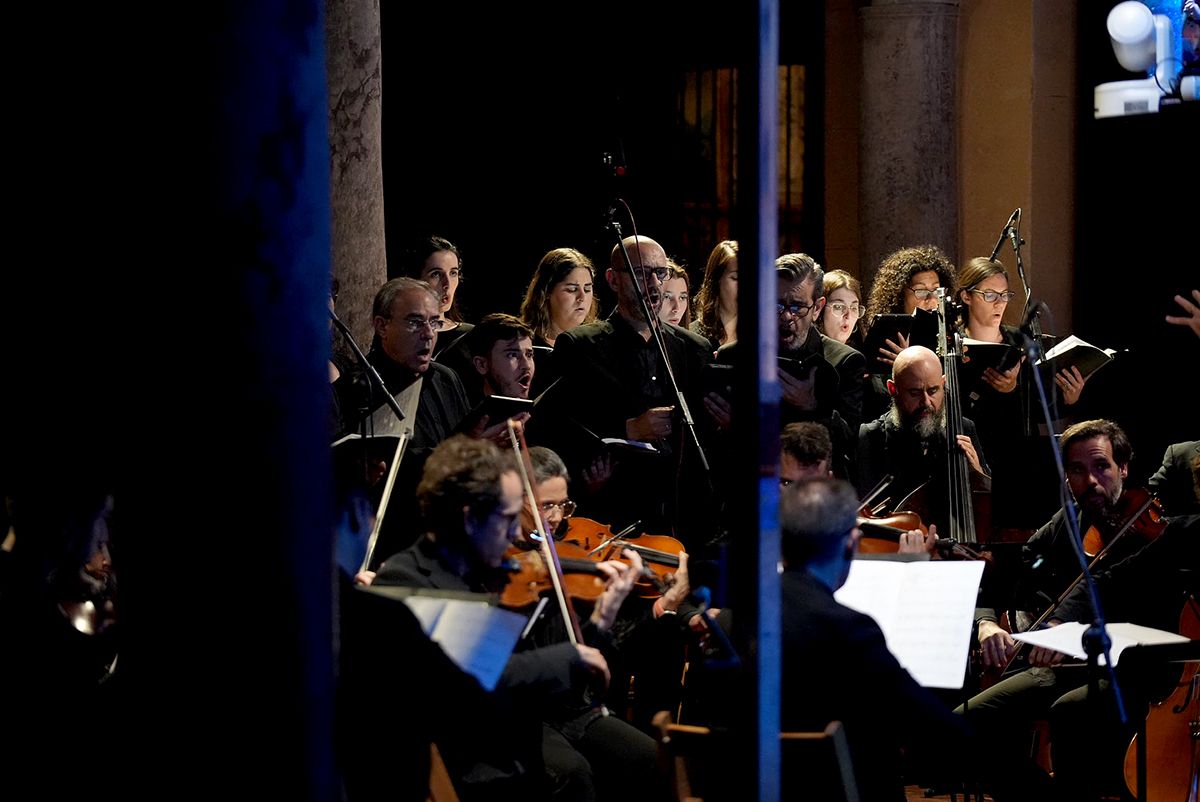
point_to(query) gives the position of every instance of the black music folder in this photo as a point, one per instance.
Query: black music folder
(1074, 352)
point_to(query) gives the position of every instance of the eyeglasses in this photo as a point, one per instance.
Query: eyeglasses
(660, 272)
(795, 310)
(991, 296)
(922, 295)
(566, 507)
(841, 308)
(416, 324)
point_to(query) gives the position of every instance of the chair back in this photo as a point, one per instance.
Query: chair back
(694, 763)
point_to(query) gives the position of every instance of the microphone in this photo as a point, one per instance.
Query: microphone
(1013, 222)
(1013, 219)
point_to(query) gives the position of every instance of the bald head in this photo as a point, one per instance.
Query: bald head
(916, 358)
(649, 262)
(642, 251)
(918, 390)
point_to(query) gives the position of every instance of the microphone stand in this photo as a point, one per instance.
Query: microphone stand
(656, 333)
(376, 382)
(373, 376)
(1096, 640)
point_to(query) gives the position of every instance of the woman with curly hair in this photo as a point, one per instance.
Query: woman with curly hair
(716, 303)
(907, 280)
(560, 295)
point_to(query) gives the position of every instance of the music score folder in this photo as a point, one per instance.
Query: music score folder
(925, 609)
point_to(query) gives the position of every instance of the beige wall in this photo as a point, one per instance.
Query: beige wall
(1016, 135)
(1016, 131)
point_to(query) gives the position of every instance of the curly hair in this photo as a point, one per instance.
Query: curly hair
(897, 270)
(461, 473)
(550, 272)
(707, 305)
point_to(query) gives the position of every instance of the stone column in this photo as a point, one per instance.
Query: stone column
(355, 158)
(908, 186)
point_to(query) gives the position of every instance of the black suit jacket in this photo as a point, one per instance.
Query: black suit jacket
(836, 666)
(1174, 483)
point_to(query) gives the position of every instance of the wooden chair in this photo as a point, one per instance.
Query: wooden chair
(694, 762)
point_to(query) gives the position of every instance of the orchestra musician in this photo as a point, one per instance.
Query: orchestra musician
(909, 440)
(835, 661)
(1097, 454)
(471, 502)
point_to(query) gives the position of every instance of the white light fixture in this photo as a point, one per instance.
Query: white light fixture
(1141, 41)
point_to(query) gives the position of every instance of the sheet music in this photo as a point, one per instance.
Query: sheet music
(1068, 638)
(477, 636)
(925, 609)
(383, 420)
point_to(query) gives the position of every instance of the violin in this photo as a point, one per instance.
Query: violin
(1143, 521)
(881, 535)
(659, 553)
(1144, 517)
(530, 575)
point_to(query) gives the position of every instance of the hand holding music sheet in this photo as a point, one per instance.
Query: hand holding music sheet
(1068, 638)
(925, 609)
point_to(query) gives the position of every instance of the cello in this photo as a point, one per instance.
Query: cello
(1172, 741)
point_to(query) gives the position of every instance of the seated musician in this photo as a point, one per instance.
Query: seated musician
(805, 452)
(471, 501)
(649, 634)
(909, 440)
(836, 664)
(615, 385)
(1096, 457)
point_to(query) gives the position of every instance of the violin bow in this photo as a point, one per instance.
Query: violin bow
(549, 553)
(1095, 561)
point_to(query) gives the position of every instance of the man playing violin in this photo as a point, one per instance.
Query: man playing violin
(471, 502)
(1096, 456)
(649, 634)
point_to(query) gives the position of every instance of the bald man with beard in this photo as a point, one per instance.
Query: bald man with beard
(909, 440)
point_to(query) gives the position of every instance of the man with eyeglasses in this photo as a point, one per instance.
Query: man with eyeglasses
(406, 317)
(472, 507)
(820, 379)
(614, 384)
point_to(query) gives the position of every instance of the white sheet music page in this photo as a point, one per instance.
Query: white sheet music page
(478, 637)
(1068, 638)
(925, 609)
